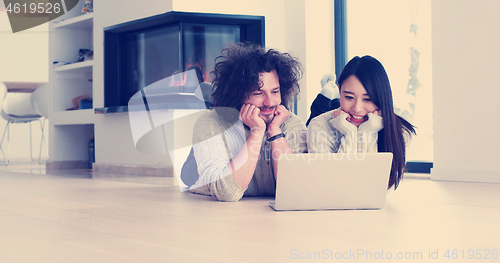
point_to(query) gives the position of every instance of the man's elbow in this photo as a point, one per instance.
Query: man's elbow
(227, 190)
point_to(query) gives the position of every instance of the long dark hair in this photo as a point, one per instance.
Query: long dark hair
(236, 74)
(372, 75)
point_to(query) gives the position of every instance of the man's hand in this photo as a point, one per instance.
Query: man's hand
(280, 115)
(244, 163)
(280, 145)
(249, 114)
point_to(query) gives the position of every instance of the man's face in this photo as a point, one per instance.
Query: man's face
(268, 97)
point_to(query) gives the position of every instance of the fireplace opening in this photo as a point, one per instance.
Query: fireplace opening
(173, 52)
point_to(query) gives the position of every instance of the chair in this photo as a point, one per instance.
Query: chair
(3, 92)
(16, 108)
(40, 102)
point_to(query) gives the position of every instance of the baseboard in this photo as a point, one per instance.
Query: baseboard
(66, 165)
(137, 170)
(440, 174)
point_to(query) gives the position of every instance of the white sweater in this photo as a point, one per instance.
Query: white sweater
(336, 135)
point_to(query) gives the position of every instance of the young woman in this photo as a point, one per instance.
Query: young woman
(365, 121)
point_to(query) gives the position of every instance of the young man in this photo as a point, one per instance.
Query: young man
(237, 144)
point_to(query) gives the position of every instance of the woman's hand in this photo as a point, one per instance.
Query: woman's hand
(339, 112)
(378, 113)
(374, 122)
(341, 122)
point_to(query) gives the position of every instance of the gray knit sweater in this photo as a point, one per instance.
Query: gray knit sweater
(216, 142)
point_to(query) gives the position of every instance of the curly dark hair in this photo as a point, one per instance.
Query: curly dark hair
(236, 74)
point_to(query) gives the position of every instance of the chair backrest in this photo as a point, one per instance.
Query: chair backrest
(18, 104)
(3, 92)
(40, 100)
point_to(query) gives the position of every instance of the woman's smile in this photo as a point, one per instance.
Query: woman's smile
(359, 119)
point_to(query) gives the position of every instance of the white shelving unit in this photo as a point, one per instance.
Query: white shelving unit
(85, 66)
(73, 117)
(78, 22)
(71, 129)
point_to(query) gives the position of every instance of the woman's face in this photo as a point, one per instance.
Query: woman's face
(354, 100)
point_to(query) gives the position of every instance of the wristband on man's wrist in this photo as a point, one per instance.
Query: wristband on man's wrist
(277, 136)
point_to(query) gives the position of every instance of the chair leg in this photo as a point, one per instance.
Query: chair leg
(31, 144)
(8, 144)
(1, 144)
(42, 141)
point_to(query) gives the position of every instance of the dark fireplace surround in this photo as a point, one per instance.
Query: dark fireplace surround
(151, 50)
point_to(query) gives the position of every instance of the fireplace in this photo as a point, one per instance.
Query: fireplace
(169, 54)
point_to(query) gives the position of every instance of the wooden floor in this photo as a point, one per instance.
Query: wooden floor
(71, 218)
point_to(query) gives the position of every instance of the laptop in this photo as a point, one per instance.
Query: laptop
(323, 181)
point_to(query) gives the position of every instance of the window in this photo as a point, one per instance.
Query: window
(397, 33)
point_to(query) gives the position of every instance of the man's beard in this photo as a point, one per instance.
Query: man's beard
(268, 118)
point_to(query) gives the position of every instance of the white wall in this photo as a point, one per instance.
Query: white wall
(319, 47)
(465, 80)
(295, 44)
